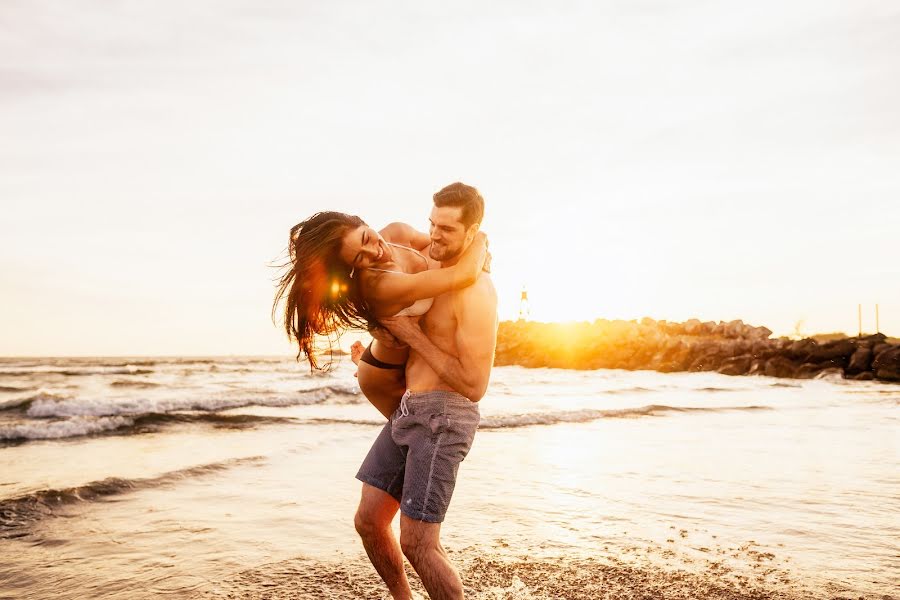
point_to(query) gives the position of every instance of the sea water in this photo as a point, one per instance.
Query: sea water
(146, 477)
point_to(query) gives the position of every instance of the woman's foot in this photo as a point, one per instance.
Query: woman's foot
(356, 352)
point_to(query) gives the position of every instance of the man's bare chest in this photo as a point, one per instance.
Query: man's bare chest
(440, 321)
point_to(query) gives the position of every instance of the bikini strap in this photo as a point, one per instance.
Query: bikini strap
(410, 249)
(382, 270)
(393, 271)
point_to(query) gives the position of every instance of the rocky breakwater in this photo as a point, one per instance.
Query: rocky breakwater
(732, 348)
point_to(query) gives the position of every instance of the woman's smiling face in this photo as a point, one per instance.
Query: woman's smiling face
(363, 247)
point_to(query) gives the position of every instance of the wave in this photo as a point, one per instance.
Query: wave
(81, 407)
(53, 430)
(25, 402)
(629, 390)
(83, 426)
(15, 403)
(586, 415)
(13, 388)
(218, 420)
(134, 383)
(75, 372)
(17, 513)
(574, 416)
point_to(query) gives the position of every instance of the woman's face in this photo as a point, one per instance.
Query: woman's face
(363, 247)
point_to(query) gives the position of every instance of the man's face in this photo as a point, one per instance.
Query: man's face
(449, 237)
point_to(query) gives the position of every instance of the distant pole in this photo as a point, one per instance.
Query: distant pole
(877, 326)
(859, 317)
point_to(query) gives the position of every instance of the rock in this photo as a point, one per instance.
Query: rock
(760, 333)
(801, 349)
(740, 347)
(886, 365)
(739, 365)
(674, 328)
(757, 367)
(880, 347)
(763, 349)
(692, 327)
(780, 366)
(709, 357)
(840, 350)
(860, 361)
(734, 329)
(873, 340)
(676, 358)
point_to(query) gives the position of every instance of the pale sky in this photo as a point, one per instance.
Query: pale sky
(717, 160)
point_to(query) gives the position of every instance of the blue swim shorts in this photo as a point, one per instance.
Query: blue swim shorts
(416, 456)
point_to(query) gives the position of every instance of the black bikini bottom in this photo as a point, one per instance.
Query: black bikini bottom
(367, 357)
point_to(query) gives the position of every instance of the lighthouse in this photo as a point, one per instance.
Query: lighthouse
(524, 311)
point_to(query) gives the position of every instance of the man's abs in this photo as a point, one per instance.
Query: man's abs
(439, 324)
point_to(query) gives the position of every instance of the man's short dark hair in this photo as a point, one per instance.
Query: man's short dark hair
(464, 196)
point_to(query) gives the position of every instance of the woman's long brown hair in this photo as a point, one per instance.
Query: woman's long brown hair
(320, 297)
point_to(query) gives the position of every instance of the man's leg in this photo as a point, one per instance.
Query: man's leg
(373, 523)
(421, 544)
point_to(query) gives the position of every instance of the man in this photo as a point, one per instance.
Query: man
(413, 464)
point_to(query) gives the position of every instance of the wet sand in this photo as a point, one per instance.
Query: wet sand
(515, 579)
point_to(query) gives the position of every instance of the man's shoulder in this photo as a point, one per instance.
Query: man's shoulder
(481, 293)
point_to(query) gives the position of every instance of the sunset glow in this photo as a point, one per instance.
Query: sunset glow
(155, 159)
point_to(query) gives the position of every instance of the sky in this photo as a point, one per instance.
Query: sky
(717, 160)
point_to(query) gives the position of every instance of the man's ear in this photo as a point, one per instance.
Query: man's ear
(471, 231)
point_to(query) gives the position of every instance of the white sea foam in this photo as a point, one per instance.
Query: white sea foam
(49, 430)
(53, 407)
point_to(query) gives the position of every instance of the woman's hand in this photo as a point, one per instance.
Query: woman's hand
(473, 260)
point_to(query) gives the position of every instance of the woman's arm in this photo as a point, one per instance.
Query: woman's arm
(407, 235)
(406, 288)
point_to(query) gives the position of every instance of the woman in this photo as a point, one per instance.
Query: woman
(344, 274)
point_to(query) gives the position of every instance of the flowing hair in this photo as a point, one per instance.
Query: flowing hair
(320, 297)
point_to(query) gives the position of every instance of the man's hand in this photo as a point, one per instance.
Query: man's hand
(403, 328)
(385, 337)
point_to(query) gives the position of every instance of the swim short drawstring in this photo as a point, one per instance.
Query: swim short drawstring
(404, 409)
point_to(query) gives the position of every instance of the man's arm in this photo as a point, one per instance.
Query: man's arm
(476, 339)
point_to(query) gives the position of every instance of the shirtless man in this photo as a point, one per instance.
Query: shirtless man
(412, 466)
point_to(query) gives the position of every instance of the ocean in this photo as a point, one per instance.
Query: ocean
(233, 477)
